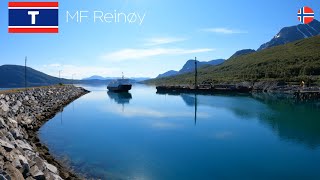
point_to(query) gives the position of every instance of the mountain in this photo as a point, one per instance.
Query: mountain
(215, 62)
(100, 78)
(139, 79)
(242, 52)
(95, 77)
(293, 33)
(292, 62)
(168, 73)
(14, 76)
(189, 66)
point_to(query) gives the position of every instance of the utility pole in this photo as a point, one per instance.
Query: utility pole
(25, 72)
(60, 76)
(72, 78)
(196, 73)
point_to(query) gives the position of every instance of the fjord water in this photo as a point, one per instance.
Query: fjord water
(144, 135)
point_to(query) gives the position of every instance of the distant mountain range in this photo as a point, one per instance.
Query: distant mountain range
(168, 73)
(292, 62)
(286, 35)
(14, 76)
(293, 33)
(96, 77)
(189, 66)
(291, 55)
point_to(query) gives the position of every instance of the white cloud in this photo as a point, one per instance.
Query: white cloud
(224, 31)
(162, 40)
(79, 72)
(223, 135)
(164, 125)
(141, 111)
(53, 65)
(129, 54)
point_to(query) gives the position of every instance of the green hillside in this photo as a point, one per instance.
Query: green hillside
(14, 76)
(295, 61)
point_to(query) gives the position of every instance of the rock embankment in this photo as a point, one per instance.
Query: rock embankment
(276, 87)
(22, 112)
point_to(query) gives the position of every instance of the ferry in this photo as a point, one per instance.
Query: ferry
(120, 85)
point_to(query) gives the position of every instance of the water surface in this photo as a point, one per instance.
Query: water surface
(144, 135)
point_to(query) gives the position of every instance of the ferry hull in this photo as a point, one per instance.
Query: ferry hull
(120, 88)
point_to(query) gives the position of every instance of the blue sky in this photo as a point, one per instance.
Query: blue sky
(172, 32)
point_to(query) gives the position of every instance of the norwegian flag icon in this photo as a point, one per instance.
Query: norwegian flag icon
(305, 15)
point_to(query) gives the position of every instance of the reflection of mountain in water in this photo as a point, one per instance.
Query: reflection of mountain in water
(292, 121)
(243, 106)
(120, 98)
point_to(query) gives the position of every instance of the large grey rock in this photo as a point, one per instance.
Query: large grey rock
(1, 162)
(4, 106)
(51, 168)
(13, 123)
(22, 159)
(39, 163)
(23, 145)
(16, 133)
(2, 123)
(56, 177)
(36, 173)
(6, 144)
(9, 136)
(30, 154)
(15, 108)
(8, 154)
(16, 163)
(52, 176)
(25, 169)
(27, 120)
(18, 103)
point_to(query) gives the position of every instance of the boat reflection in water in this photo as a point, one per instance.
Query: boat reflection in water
(120, 98)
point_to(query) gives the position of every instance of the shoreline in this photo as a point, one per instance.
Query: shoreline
(302, 93)
(22, 155)
(64, 171)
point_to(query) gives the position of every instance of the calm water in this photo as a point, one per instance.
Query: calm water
(144, 135)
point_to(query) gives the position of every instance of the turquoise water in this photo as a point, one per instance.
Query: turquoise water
(144, 135)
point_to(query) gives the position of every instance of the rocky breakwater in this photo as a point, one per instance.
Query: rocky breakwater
(22, 112)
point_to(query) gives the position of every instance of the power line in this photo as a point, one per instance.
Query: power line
(25, 72)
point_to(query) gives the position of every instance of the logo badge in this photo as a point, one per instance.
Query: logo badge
(33, 17)
(305, 15)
